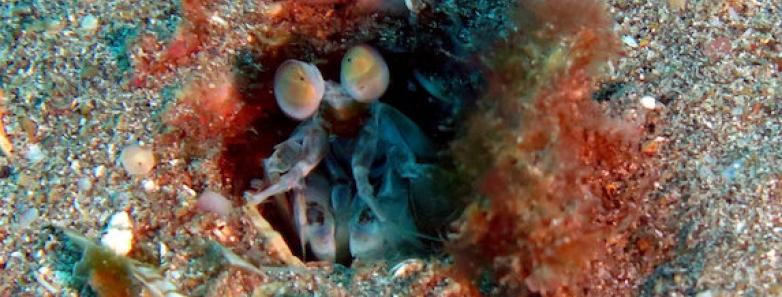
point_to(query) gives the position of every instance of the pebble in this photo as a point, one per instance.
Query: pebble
(163, 251)
(99, 171)
(216, 19)
(406, 268)
(648, 102)
(35, 154)
(75, 166)
(149, 185)
(214, 202)
(85, 184)
(677, 5)
(630, 41)
(651, 147)
(89, 24)
(27, 218)
(119, 234)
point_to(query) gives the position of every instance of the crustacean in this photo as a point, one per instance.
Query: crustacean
(351, 163)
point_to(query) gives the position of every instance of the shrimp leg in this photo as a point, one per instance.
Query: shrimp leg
(363, 155)
(407, 142)
(294, 159)
(314, 217)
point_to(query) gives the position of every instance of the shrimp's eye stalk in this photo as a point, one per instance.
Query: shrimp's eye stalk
(364, 74)
(298, 88)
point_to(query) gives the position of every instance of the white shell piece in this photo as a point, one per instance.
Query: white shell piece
(406, 268)
(629, 41)
(119, 234)
(648, 102)
(35, 154)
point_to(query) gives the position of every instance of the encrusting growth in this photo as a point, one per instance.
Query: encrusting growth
(555, 177)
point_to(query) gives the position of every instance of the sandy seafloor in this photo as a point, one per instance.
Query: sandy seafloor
(713, 67)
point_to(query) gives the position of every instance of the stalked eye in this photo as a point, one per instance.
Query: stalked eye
(298, 88)
(364, 74)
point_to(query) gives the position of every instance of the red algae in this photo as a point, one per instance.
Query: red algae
(188, 39)
(269, 26)
(207, 108)
(223, 112)
(557, 179)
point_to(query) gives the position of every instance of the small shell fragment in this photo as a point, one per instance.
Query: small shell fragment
(217, 20)
(677, 5)
(272, 10)
(119, 234)
(629, 41)
(35, 154)
(648, 102)
(27, 218)
(149, 186)
(89, 24)
(406, 268)
(5, 143)
(211, 201)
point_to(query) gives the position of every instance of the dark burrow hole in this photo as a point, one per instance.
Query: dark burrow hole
(428, 87)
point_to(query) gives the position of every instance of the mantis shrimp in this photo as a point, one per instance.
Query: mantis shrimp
(350, 163)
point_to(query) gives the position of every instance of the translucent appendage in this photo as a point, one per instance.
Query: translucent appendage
(314, 217)
(372, 238)
(293, 160)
